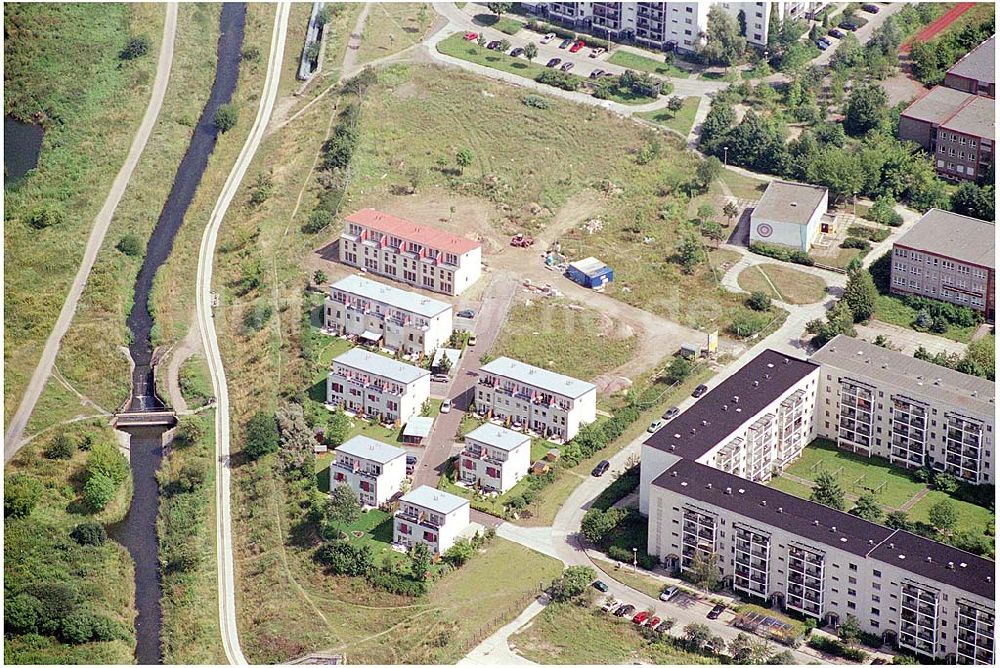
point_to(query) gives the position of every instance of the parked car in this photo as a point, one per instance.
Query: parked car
(469, 36)
(566, 42)
(411, 460)
(699, 391)
(836, 32)
(494, 45)
(600, 586)
(847, 25)
(579, 44)
(440, 378)
(640, 618)
(822, 44)
(517, 51)
(567, 66)
(553, 62)
(594, 53)
(596, 73)
(609, 74)
(466, 313)
(654, 622)
(601, 468)
(654, 426)
(611, 604)
(548, 37)
(871, 9)
(671, 413)
(472, 339)
(667, 593)
(716, 611)
(624, 610)
(446, 406)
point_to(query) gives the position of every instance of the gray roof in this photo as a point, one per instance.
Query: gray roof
(955, 110)
(498, 437)
(976, 117)
(381, 366)
(590, 266)
(369, 448)
(434, 499)
(418, 426)
(915, 378)
(550, 381)
(978, 64)
(930, 559)
(787, 202)
(392, 296)
(958, 237)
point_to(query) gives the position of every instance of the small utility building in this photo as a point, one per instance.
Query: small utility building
(789, 215)
(590, 273)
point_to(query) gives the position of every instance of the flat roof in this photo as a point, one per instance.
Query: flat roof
(978, 64)
(977, 117)
(410, 231)
(550, 381)
(916, 378)
(418, 426)
(498, 437)
(959, 237)
(787, 202)
(381, 365)
(590, 266)
(387, 294)
(717, 414)
(369, 448)
(938, 562)
(434, 499)
(954, 110)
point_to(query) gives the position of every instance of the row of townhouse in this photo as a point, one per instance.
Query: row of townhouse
(948, 257)
(533, 399)
(386, 316)
(668, 25)
(430, 516)
(377, 387)
(493, 459)
(932, 599)
(414, 254)
(374, 470)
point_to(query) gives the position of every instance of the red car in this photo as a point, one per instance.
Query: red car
(579, 44)
(640, 618)
(654, 622)
(469, 36)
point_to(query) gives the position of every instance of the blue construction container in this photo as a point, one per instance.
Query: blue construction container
(590, 273)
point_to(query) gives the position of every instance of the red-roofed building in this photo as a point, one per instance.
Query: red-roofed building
(415, 254)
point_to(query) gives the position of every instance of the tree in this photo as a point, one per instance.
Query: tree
(226, 116)
(827, 490)
(943, 516)
(836, 169)
(530, 51)
(21, 614)
(708, 170)
(261, 435)
(860, 295)
(850, 630)
(420, 561)
(190, 430)
(136, 47)
(344, 558)
(706, 211)
(105, 459)
(45, 216)
(597, 523)
(898, 519)
(296, 443)
(723, 43)
(759, 301)
(312, 50)
(98, 491)
(675, 103)
(324, 15)
(61, 447)
(463, 158)
(746, 650)
(481, 40)
(973, 200)
(130, 245)
(89, 533)
(342, 507)
(689, 253)
(679, 368)
(573, 584)
(459, 553)
(499, 8)
(696, 636)
(320, 277)
(730, 210)
(337, 427)
(705, 571)
(782, 658)
(866, 108)
(504, 45)
(713, 231)
(867, 508)
(21, 493)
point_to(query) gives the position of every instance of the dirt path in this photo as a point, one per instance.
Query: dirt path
(12, 442)
(189, 345)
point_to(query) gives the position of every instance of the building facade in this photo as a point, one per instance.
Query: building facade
(948, 257)
(878, 402)
(374, 470)
(536, 400)
(386, 316)
(494, 458)
(430, 516)
(377, 387)
(417, 255)
(956, 128)
(789, 214)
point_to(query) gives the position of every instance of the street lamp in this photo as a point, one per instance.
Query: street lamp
(855, 203)
(635, 561)
(725, 156)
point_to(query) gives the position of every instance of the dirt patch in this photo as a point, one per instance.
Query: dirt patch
(578, 209)
(609, 383)
(408, 90)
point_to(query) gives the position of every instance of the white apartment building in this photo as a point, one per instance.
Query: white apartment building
(928, 597)
(374, 470)
(537, 400)
(430, 516)
(377, 387)
(494, 458)
(752, 424)
(413, 254)
(386, 316)
(884, 403)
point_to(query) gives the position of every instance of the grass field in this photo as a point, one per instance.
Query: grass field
(61, 64)
(679, 121)
(565, 337)
(743, 186)
(567, 634)
(634, 61)
(392, 27)
(502, 23)
(891, 309)
(783, 283)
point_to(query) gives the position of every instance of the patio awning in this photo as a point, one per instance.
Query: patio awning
(369, 335)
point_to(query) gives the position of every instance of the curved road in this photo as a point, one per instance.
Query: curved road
(206, 322)
(12, 441)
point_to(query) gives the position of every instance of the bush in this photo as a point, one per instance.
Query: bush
(875, 234)
(77, 627)
(61, 447)
(747, 323)
(190, 430)
(136, 47)
(98, 491)
(105, 459)
(251, 54)
(342, 558)
(226, 117)
(257, 317)
(759, 301)
(535, 101)
(21, 614)
(44, 216)
(21, 494)
(130, 245)
(261, 435)
(837, 648)
(854, 242)
(89, 533)
(558, 79)
(396, 583)
(782, 253)
(545, 28)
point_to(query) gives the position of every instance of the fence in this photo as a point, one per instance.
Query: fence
(502, 619)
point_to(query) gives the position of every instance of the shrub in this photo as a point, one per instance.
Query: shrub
(21, 494)
(854, 242)
(257, 317)
(396, 583)
(261, 435)
(130, 245)
(251, 54)
(318, 220)
(190, 430)
(747, 323)
(89, 533)
(875, 234)
(136, 47)
(45, 216)
(342, 558)
(226, 117)
(77, 627)
(535, 101)
(62, 447)
(782, 253)
(759, 301)
(98, 491)
(21, 613)
(105, 459)
(558, 79)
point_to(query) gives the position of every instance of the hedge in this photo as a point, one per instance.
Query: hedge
(782, 253)
(545, 28)
(837, 648)
(875, 234)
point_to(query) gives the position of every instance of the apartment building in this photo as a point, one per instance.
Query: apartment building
(374, 470)
(975, 72)
(386, 316)
(879, 402)
(533, 399)
(789, 214)
(414, 254)
(948, 257)
(752, 424)
(430, 516)
(377, 387)
(956, 128)
(494, 458)
(930, 598)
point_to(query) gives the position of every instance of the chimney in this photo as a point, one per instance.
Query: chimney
(729, 490)
(725, 407)
(780, 509)
(764, 503)
(756, 383)
(815, 523)
(736, 399)
(709, 485)
(673, 474)
(951, 565)
(929, 560)
(833, 529)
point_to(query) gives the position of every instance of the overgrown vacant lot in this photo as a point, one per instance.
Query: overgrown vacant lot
(392, 27)
(62, 65)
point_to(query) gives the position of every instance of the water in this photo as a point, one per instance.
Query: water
(137, 532)
(22, 144)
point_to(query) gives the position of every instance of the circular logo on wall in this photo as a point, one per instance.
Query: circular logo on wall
(764, 230)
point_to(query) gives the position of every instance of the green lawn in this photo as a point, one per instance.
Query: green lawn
(783, 283)
(970, 516)
(743, 186)
(679, 121)
(634, 61)
(392, 27)
(891, 309)
(503, 24)
(842, 259)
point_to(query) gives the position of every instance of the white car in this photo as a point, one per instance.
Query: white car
(611, 604)
(446, 406)
(667, 593)
(548, 38)
(594, 53)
